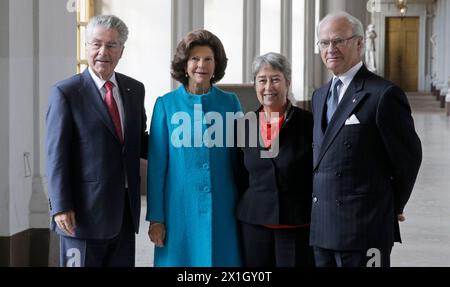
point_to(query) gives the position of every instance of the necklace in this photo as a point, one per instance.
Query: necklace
(198, 91)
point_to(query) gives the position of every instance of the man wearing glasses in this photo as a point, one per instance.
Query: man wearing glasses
(95, 136)
(366, 154)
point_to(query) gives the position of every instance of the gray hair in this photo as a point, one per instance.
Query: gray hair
(108, 22)
(357, 26)
(276, 60)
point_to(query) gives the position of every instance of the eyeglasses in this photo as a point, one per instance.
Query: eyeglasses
(109, 46)
(338, 42)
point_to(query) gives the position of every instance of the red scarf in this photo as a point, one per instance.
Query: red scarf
(267, 132)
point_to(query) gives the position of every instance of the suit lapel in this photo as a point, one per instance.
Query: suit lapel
(352, 97)
(322, 96)
(125, 92)
(92, 95)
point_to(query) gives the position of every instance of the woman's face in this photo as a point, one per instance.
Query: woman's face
(271, 89)
(200, 66)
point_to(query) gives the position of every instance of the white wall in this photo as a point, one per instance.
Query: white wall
(21, 111)
(34, 54)
(55, 60)
(4, 118)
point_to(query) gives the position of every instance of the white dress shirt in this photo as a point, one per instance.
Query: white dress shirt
(347, 78)
(100, 84)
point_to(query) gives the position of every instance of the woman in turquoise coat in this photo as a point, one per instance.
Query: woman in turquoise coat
(192, 195)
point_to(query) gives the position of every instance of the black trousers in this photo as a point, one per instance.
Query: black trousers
(376, 257)
(115, 252)
(268, 247)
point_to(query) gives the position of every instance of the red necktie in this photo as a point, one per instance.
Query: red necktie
(113, 110)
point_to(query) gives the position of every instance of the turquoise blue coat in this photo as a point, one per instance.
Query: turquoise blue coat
(191, 189)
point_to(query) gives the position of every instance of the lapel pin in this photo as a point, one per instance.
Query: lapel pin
(354, 100)
(128, 89)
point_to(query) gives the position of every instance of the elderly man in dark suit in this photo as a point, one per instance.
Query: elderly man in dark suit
(366, 154)
(95, 133)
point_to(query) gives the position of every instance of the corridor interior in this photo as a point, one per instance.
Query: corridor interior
(426, 231)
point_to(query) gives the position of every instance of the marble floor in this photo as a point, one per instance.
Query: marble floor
(426, 231)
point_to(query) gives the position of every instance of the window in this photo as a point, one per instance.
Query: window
(270, 26)
(225, 19)
(85, 11)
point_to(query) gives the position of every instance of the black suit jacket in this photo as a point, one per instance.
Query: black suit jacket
(363, 173)
(278, 190)
(86, 164)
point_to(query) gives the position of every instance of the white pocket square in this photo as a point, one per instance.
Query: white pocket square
(353, 120)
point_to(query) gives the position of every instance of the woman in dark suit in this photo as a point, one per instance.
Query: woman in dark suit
(275, 201)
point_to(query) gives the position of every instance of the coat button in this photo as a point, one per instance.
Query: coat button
(339, 202)
(338, 174)
(348, 145)
(315, 199)
(205, 166)
(206, 189)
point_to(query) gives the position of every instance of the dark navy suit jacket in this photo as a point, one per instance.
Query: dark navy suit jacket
(86, 164)
(363, 173)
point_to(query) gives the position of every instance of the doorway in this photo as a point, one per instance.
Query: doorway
(402, 52)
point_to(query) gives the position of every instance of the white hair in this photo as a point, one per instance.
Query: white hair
(357, 26)
(108, 22)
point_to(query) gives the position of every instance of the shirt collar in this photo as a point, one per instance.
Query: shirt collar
(99, 83)
(285, 116)
(348, 76)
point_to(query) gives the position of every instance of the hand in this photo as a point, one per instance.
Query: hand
(66, 222)
(401, 217)
(157, 233)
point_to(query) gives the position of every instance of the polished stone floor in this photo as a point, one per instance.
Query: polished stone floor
(426, 231)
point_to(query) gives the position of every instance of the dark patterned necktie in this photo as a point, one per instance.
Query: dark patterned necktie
(333, 99)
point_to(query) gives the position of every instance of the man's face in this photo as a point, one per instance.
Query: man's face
(344, 49)
(104, 51)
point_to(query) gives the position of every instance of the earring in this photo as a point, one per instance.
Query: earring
(213, 76)
(186, 75)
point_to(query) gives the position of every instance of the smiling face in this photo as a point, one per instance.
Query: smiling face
(200, 67)
(271, 89)
(339, 59)
(104, 51)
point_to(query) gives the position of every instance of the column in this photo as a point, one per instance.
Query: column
(447, 57)
(251, 27)
(34, 53)
(286, 28)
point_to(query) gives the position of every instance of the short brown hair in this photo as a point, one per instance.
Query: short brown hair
(191, 40)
